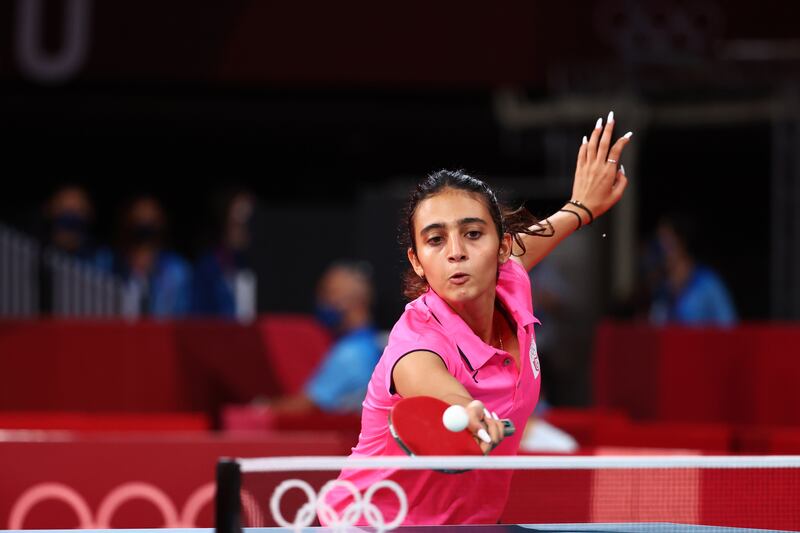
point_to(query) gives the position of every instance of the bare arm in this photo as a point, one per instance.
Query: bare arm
(293, 405)
(598, 185)
(424, 374)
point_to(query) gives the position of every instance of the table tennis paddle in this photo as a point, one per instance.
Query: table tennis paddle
(416, 424)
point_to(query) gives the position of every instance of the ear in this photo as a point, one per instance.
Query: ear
(415, 264)
(506, 247)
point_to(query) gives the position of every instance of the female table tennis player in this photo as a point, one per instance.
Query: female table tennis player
(467, 338)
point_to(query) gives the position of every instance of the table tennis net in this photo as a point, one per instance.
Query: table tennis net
(749, 492)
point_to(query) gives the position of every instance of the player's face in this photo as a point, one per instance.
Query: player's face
(458, 249)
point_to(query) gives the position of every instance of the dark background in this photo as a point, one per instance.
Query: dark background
(320, 109)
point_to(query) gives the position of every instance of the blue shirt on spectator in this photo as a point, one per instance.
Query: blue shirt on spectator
(170, 286)
(704, 300)
(340, 382)
(213, 293)
(167, 290)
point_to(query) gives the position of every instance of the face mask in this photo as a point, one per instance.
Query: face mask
(329, 316)
(70, 222)
(145, 234)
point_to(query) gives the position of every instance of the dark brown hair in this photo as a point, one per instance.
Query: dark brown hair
(506, 220)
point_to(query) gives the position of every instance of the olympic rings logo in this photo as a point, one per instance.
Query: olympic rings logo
(317, 505)
(121, 494)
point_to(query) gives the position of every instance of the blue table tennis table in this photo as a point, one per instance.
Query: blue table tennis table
(644, 527)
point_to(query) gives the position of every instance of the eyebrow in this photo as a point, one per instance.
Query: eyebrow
(462, 222)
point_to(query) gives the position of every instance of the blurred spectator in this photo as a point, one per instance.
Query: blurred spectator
(684, 290)
(543, 437)
(344, 300)
(162, 278)
(69, 215)
(224, 284)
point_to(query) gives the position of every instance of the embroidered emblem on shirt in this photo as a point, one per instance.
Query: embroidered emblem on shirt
(534, 355)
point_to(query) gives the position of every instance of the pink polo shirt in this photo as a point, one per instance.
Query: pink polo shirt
(489, 374)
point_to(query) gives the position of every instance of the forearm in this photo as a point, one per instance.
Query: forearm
(297, 404)
(456, 399)
(552, 230)
(599, 184)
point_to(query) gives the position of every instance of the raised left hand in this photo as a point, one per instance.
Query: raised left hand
(599, 180)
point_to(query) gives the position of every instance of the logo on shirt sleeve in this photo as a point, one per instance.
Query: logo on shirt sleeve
(534, 356)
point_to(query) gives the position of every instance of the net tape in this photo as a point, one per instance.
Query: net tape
(362, 504)
(299, 464)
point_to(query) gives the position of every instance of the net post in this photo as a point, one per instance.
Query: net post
(227, 517)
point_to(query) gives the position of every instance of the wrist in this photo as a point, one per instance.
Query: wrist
(573, 211)
(586, 214)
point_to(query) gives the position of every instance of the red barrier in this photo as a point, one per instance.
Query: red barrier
(768, 440)
(90, 366)
(104, 422)
(130, 482)
(585, 424)
(295, 345)
(744, 375)
(708, 438)
(754, 498)
(146, 481)
(148, 366)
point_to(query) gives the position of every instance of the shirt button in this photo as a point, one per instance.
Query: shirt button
(507, 361)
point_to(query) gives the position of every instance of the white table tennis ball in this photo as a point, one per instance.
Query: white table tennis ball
(455, 418)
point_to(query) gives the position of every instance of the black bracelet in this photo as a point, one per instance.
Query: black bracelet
(578, 204)
(580, 222)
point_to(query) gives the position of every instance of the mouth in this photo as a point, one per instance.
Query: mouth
(459, 278)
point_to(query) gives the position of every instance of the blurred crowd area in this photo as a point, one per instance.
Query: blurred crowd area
(214, 276)
(128, 266)
(269, 156)
(136, 253)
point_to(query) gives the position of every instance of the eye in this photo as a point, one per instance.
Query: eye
(474, 234)
(433, 241)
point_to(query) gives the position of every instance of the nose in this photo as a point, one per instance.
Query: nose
(456, 252)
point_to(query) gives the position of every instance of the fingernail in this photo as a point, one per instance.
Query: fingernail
(628, 135)
(599, 123)
(494, 415)
(484, 436)
(487, 413)
(622, 168)
(585, 140)
(610, 116)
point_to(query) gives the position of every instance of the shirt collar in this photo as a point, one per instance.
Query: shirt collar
(471, 346)
(520, 314)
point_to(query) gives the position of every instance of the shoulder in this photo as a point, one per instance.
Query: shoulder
(361, 344)
(708, 280)
(172, 260)
(514, 284)
(417, 329)
(512, 273)
(416, 323)
(173, 265)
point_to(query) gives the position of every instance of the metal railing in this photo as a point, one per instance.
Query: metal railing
(35, 280)
(19, 274)
(80, 290)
